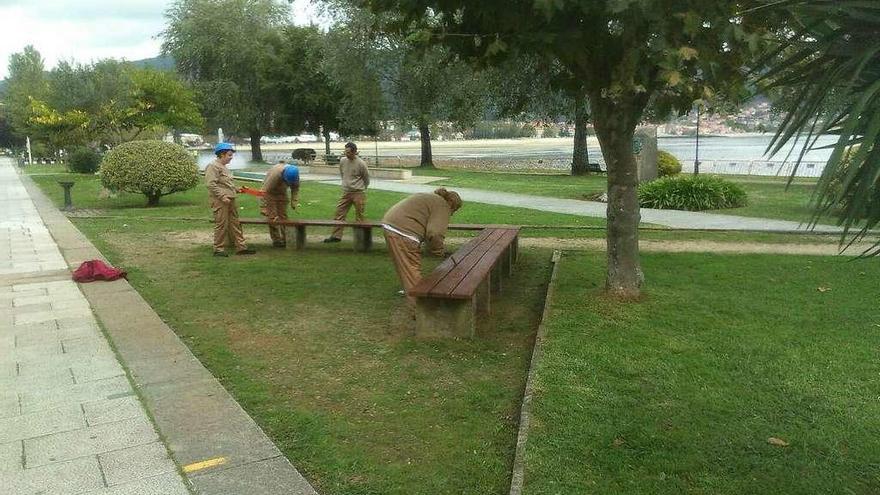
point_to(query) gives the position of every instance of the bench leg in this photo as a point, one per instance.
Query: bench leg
(483, 297)
(513, 254)
(445, 317)
(300, 237)
(499, 269)
(363, 239)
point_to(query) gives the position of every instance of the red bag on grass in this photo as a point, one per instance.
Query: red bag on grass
(93, 270)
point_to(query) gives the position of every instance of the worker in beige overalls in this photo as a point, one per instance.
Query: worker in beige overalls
(273, 205)
(222, 191)
(355, 180)
(420, 218)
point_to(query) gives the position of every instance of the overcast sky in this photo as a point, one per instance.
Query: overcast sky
(88, 30)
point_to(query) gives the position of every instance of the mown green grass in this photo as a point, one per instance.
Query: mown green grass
(317, 346)
(679, 393)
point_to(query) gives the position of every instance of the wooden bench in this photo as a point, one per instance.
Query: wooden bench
(449, 300)
(363, 231)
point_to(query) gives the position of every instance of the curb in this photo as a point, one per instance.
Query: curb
(218, 445)
(517, 478)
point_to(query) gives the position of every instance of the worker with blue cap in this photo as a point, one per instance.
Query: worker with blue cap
(281, 177)
(222, 191)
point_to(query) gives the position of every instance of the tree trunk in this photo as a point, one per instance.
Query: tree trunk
(579, 159)
(427, 157)
(326, 134)
(153, 199)
(615, 130)
(256, 151)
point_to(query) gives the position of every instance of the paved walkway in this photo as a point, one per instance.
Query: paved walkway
(71, 420)
(669, 218)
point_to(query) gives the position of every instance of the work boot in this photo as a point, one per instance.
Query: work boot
(332, 239)
(222, 254)
(245, 251)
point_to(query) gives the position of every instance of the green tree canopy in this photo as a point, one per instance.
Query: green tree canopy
(225, 47)
(625, 53)
(26, 82)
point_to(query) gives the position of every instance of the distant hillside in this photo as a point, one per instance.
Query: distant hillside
(160, 63)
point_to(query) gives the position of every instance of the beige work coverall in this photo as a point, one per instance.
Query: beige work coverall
(355, 180)
(226, 225)
(424, 216)
(273, 205)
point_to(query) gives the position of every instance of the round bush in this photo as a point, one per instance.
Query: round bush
(691, 192)
(151, 168)
(667, 164)
(84, 161)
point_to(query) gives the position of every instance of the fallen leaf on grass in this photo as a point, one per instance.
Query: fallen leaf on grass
(823, 289)
(777, 442)
(617, 442)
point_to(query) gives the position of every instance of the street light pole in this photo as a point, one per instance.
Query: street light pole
(697, 154)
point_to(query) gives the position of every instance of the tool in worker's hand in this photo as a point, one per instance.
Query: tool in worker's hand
(253, 192)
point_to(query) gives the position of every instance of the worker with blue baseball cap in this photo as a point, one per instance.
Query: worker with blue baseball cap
(281, 177)
(222, 191)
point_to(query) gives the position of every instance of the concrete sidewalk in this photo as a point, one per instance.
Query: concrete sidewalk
(81, 414)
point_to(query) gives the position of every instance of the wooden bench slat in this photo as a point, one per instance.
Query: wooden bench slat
(484, 266)
(462, 268)
(425, 286)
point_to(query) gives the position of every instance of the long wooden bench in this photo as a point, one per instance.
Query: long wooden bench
(459, 290)
(363, 231)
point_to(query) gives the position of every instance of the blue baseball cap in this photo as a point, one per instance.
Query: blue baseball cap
(221, 147)
(290, 174)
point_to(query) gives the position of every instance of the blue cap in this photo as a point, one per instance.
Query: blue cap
(290, 174)
(221, 147)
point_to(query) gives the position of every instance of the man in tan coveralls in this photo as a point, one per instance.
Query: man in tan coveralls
(420, 218)
(273, 204)
(355, 180)
(222, 191)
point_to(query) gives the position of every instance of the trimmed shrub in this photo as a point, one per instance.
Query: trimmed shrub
(84, 161)
(667, 164)
(151, 168)
(691, 192)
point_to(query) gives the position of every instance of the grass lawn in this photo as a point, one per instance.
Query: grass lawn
(680, 393)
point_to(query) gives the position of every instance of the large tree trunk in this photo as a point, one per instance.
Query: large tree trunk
(427, 157)
(579, 160)
(615, 128)
(326, 134)
(256, 151)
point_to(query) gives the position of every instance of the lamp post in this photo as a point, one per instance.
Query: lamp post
(697, 153)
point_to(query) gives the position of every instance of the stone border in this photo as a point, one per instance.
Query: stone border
(219, 446)
(517, 478)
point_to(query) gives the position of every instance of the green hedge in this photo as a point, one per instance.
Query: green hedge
(692, 193)
(151, 168)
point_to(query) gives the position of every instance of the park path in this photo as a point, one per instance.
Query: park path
(70, 421)
(118, 409)
(669, 218)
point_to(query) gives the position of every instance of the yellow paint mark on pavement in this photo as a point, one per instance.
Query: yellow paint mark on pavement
(198, 466)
